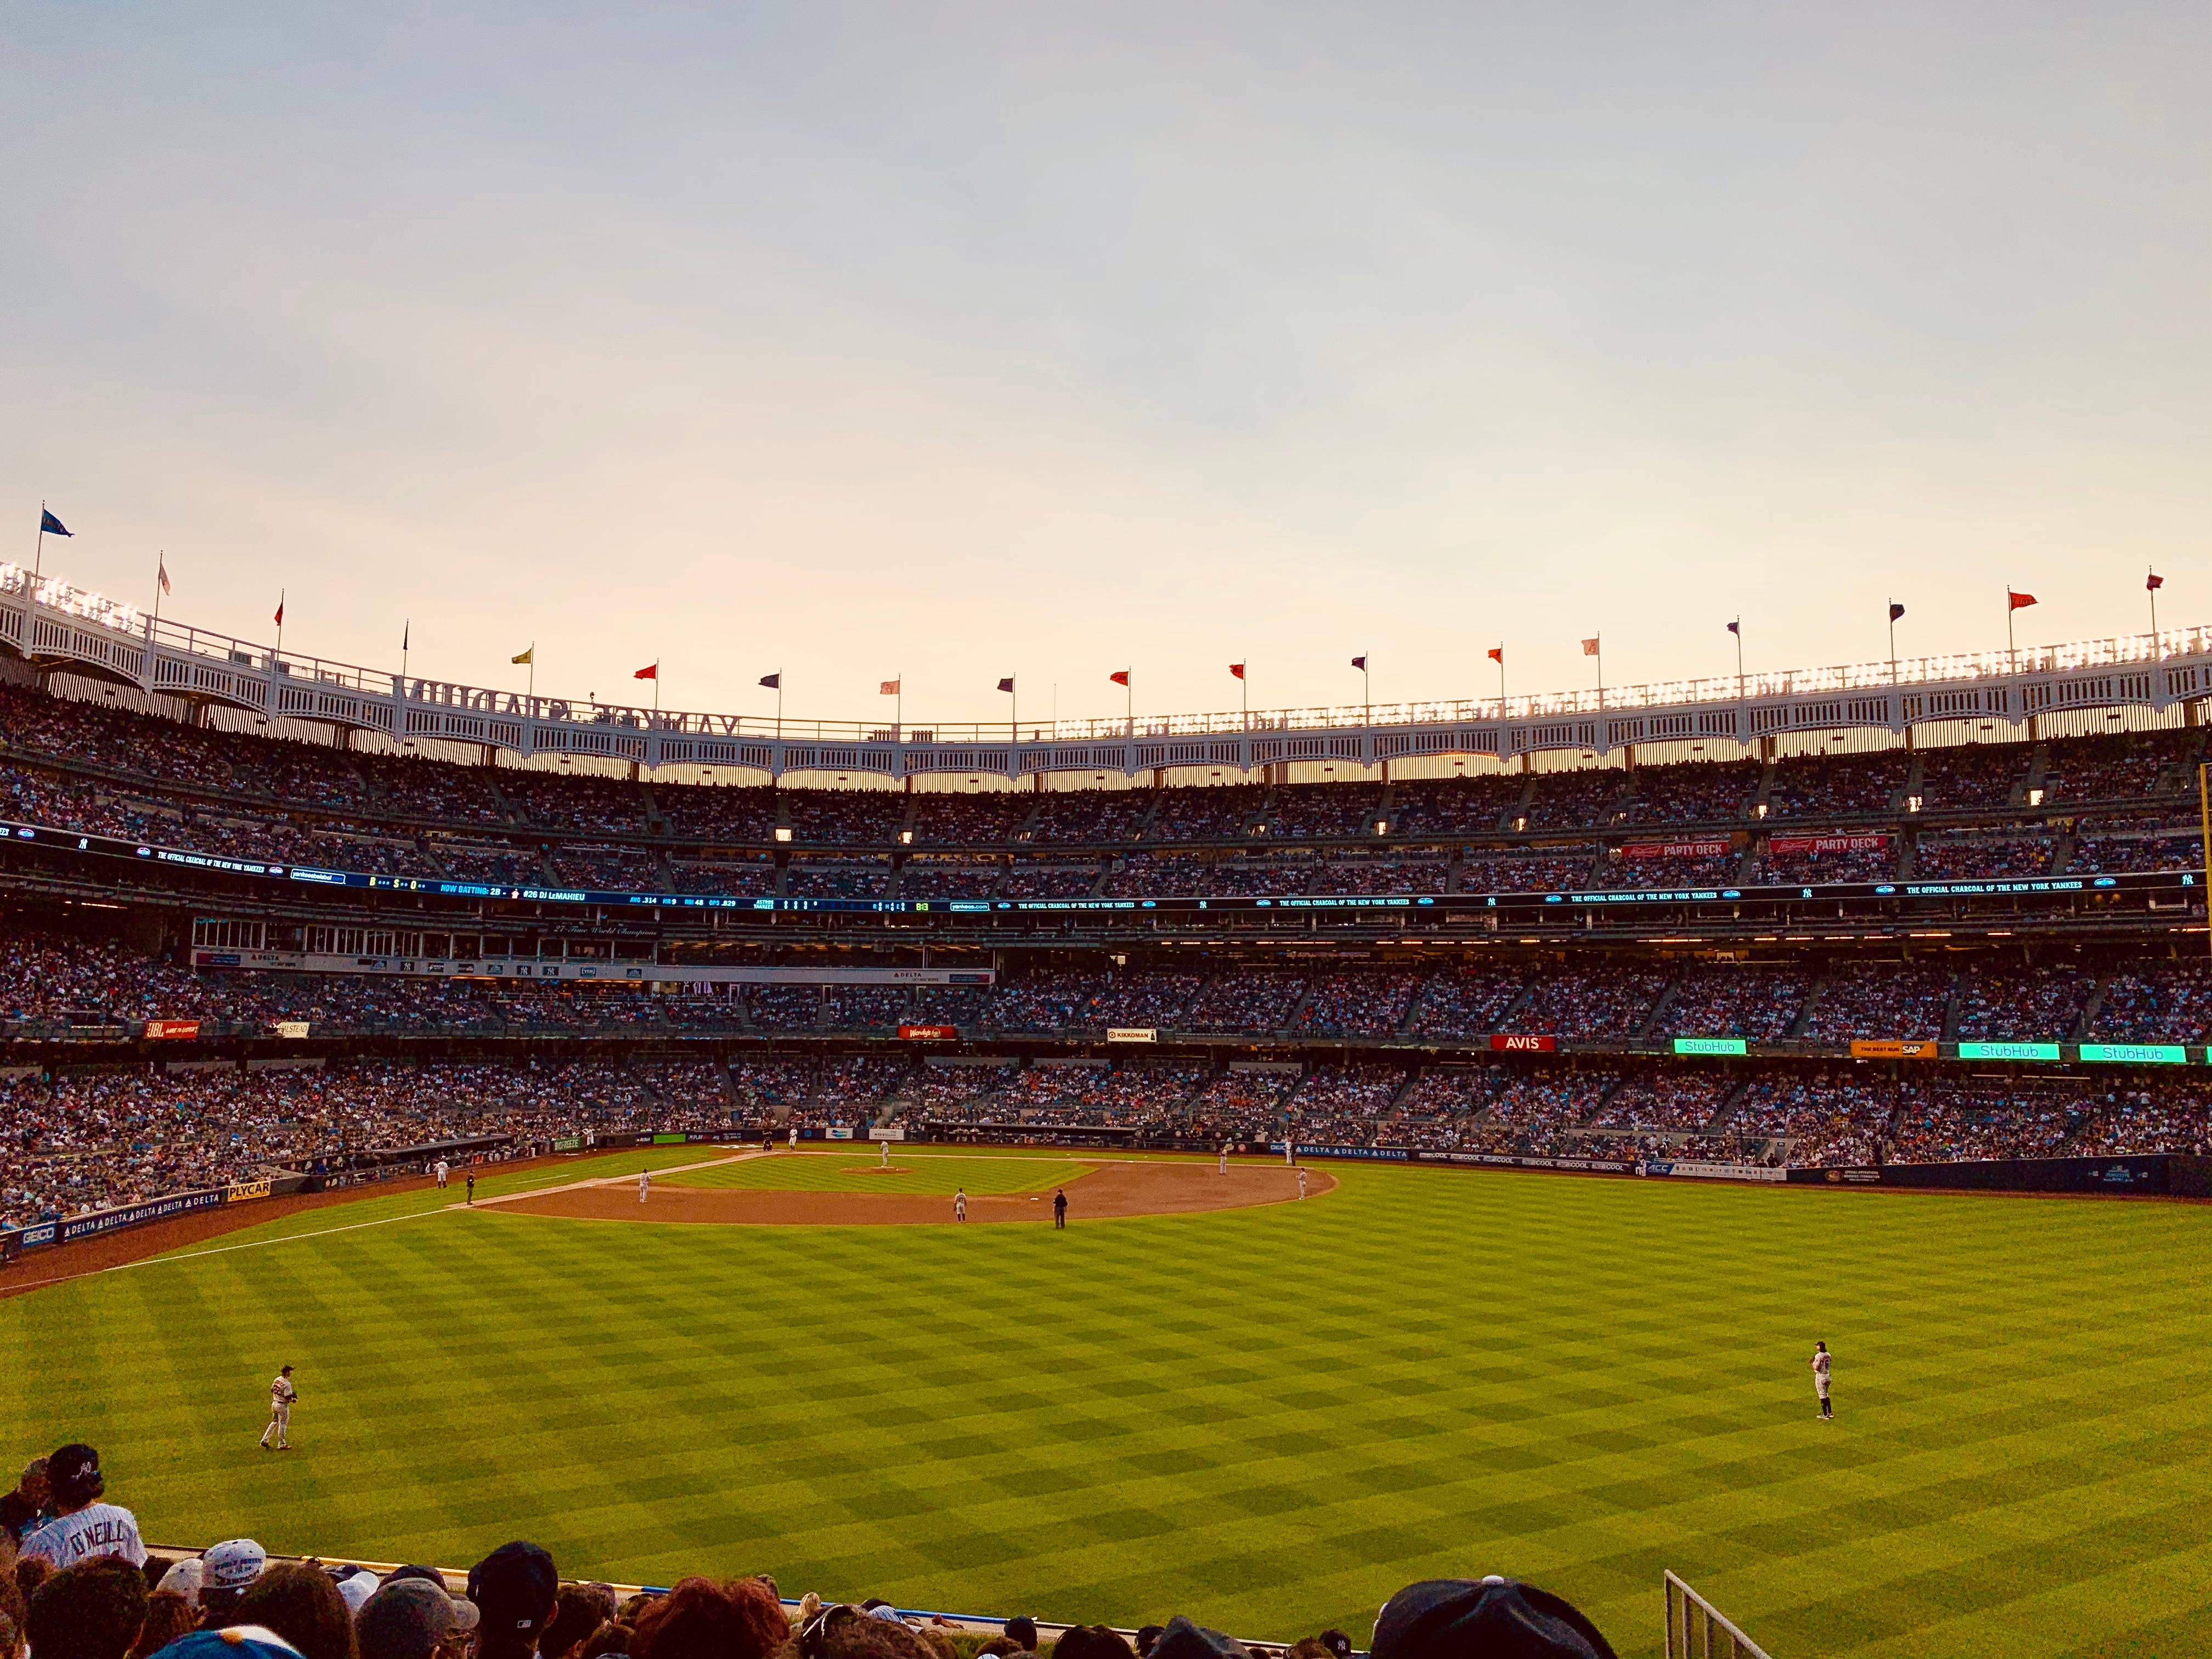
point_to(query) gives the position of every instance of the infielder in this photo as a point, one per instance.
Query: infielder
(282, 1394)
(439, 1171)
(887, 1154)
(794, 1137)
(644, 1184)
(1224, 1157)
(1302, 1180)
(959, 1204)
(1820, 1380)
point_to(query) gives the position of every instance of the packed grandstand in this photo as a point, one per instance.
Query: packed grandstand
(235, 954)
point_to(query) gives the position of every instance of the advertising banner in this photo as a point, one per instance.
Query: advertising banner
(2136, 1054)
(892, 1133)
(1131, 1034)
(1379, 1154)
(1518, 1042)
(1696, 1171)
(838, 1132)
(1892, 1049)
(292, 1030)
(1508, 1160)
(242, 1192)
(2008, 1051)
(930, 1033)
(172, 1028)
(136, 1215)
(668, 1138)
(1711, 1045)
(1781, 844)
(568, 1143)
(2142, 1172)
(1674, 849)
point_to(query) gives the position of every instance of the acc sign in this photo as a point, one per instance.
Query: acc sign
(1505, 1042)
(172, 1028)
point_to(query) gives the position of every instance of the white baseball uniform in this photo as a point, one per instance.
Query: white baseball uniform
(644, 1182)
(282, 1394)
(795, 1139)
(959, 1207)
(1302, 1183)
(442, 1170)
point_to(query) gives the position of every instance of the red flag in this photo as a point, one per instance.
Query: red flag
(1497, 654)
(162, 570)
(280, 608)
(1590, 648)
(1237, 669)
(1119, 676)
(2020, 601)
(889, 687)
(652, 671)
(2155, 582)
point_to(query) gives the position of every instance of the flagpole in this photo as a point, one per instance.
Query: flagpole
(2153, 591)
(1129, 711)
(1367, 691)
(39, 558)
(280, 624)
(161, 570)
(2012, 650)
(779, 704)
(1501, 679)
(1738, 631)
(1893, 641)
(898, 710)
(406, 639)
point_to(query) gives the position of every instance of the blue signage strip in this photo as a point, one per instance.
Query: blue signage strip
(1711, 1045)
(2136, 1054)
(2008, 1051)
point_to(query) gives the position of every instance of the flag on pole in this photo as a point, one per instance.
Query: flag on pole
(1497, 654)
(773, 682)
(50, 526)
(2018, 601)
(1119, 676)
(2155, 581)
(1590, 648)
(1736, 628)
(529, 656)
(889, 687)
(406, 632)
(1007, 683)
(1360, 663)
(1895, 611)
(280, 607)
(161, 570)
(1236, 669)
(650, 672)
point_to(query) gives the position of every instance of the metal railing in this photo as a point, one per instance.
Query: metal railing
(1693, 1624)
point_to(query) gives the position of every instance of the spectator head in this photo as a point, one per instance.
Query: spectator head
(409, 1618)
(1487, 1619)
(169, 1615)
(1147, 1637)
(843, 1632)
(999, 1647)
(31, 1571)
(514, 1588)
(1183, 1640)
(31, 1487)
(1309, 1647)
(355, 1586)
(94, 1610)
(609, 1640)
(73, 1478)
(228, 1570)
(302, 1605)
(1023, 1629)
(1337, 1643)
(699, 1618)
(11, 1618)
(578, 1613)
(1092, 1642)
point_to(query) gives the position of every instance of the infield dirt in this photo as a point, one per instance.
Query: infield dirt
(1103, 1192)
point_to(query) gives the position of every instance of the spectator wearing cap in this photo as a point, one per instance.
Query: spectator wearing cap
(1182, 1639)
(228, 1570)
(1092, 1642)
(357, 1585)
(699, 1618)
(515, 1588)
(82, 1526)
(92, 1610)
(411, 1617)
(1023, 1629)
(1491, 1618)
(169, 1615)
(22, 1510)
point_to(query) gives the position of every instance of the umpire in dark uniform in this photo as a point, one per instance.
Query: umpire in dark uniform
(1059, 1208)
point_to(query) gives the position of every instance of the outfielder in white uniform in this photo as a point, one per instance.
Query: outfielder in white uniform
(282, 1394)
(959, 1205)
(441, 1173)
(1821, 1367)
(887, 1154)
(644, 1184)
(794, 1138)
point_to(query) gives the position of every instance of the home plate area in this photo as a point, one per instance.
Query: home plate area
(801, 1189)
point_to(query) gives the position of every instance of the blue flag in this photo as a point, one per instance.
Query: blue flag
(1895, 611)
(50, 526)
(773, 682)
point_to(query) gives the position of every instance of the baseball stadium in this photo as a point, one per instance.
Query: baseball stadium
(1208, 1172)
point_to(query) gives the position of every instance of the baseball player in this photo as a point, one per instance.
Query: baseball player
(959, 1204)
(644, 1184)
(794, 1137)
(1820, 1365)
(1302, 1180)
(281, 1394)
(472, 1186)
(1224, 1157)
(887, 1154)
(439, 1171)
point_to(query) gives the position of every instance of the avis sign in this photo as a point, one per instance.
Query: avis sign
(1518, 1043)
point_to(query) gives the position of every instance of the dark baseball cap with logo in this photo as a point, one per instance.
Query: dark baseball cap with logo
(1482, 1618)
(515, 1588)
(73, 1475)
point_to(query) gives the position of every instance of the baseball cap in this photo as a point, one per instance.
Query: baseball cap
(356, 1588)
(407, 1618)
(514, 1588)
(1183, 1640)
(1023, 1629)
(1337, 1643)
(232, 1565)
(73, 1475)
(1491, 1618)
(184, 1576)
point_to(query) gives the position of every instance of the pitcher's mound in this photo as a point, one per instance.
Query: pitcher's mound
(1107, 1192)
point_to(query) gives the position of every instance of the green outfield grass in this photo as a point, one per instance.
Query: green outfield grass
(856, 1171)
(1269, 1419)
